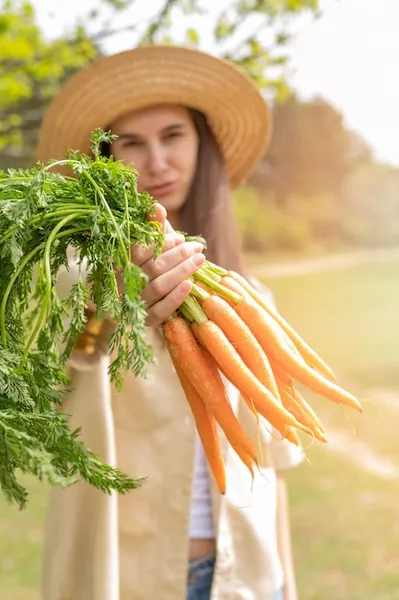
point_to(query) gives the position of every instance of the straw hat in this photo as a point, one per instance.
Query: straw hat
(116, 85)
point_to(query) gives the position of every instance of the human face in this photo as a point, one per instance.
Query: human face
(162, 144)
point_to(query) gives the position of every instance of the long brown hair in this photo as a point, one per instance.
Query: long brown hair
(208, 209)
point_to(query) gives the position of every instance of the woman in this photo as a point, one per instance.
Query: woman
(193, 127)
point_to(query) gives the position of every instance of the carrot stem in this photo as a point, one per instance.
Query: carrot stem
(185, 313)
(199, 293)
(226, 293)
(217, 269)
(193, 310)
(211, 273)
(194, 238)
(172, 316)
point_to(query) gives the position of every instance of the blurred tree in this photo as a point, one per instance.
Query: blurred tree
(371, 206)
(31, 71)
(312, 151)
(253, 33)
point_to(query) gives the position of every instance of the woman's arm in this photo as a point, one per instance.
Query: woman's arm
(284, 540)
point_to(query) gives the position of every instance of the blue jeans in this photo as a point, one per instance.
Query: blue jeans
(200, 575)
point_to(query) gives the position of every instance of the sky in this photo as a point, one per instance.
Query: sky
(348, 56)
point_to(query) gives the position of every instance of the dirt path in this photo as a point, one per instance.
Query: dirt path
(386, 397)
(362, 455)
(322, 263)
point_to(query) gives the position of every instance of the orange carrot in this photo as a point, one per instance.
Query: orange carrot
(292, 436)
(311, 357)
(279, 372)
(305, 406)
(203, 374)
(228, 285)
(301, 405)
(299, 413)
(268, 334)
(206, 427)
(235, 286)
(247, 451)
(232, 365)
(289, 433)
(204, 287)
(242, 338)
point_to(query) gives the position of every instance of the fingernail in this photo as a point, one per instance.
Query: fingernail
(198, 259)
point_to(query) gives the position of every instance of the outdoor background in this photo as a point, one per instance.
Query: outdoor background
(319, 221)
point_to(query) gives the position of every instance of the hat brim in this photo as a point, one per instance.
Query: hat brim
(113, 86)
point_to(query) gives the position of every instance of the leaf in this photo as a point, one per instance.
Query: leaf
(119, 4)
(279, 60)
(223, 28)
(282, 90)
(134, 280)
(256, 47)
(191, 7)
(282, 38)
(192, 36)
(166, 40)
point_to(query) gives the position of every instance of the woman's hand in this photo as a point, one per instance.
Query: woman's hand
(168, 275)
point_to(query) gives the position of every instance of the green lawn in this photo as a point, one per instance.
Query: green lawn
(20, 545)
(345, 519)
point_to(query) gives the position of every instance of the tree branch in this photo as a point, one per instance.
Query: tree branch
(153, 29)
(242, 43)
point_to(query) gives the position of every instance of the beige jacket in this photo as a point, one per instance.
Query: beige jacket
(135, 547)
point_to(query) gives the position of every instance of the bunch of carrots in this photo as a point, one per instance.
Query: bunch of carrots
(225, 326)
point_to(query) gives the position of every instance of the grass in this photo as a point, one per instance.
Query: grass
(345, 519)
(345, 531)
(21, 535)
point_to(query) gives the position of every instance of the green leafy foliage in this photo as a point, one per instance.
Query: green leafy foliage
(99, 214)
(31, 69)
